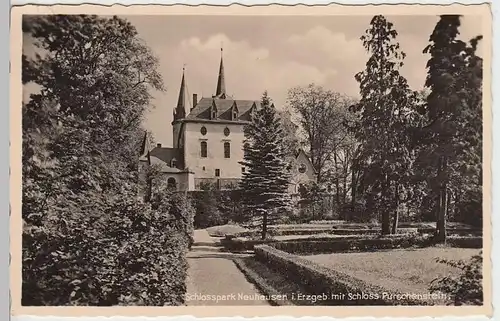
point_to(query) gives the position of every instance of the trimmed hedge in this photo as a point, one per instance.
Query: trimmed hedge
(465, 242)
(458, 231)
(351, 244)
(329, 285)
(277, 232)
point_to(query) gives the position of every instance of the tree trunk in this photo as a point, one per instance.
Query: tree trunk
(443, 196)
(395, 220)
(344, 190)
(353, 190)
(386, 217)
(264, 225)
(337, 183)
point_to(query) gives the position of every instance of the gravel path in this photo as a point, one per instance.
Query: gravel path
(214, 279)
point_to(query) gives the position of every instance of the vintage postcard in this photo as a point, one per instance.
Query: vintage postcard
(251, 161)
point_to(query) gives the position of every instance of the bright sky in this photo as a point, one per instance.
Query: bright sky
(273, 53)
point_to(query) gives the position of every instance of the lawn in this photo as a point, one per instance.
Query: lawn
(407, 271)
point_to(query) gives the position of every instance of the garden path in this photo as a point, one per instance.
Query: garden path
(214, 279)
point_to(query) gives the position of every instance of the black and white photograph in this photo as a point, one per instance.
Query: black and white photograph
(254, 160)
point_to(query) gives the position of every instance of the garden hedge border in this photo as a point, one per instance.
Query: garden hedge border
(355, 243)
(319, 280)
(352, 244)
(357, 231)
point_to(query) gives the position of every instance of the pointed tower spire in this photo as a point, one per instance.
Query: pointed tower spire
(145, 148)
(180, 110)
(221, 84)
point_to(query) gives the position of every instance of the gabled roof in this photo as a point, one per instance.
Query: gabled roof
(164, 156)
(301, 151)
(224, 107)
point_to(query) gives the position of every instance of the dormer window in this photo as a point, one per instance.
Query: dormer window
(173, 163)
(213, 111)
(234, 112)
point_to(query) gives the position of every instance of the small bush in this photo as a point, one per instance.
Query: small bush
(465, 289)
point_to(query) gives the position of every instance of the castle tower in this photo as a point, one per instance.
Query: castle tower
(180, 110)
(220, 92)
(179, 114)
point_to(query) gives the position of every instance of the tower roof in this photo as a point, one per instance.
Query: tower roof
(221, 83)
(180, 110)
(145, 147)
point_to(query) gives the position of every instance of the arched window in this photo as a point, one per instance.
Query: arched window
(171, 183)
(173, 163)
(203, 149)
(227, 150)
(235, 114)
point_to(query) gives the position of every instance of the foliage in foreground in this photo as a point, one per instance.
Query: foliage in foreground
(467, 287)
(88, 238)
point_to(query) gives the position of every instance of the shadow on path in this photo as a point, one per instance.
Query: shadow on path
(214, 279)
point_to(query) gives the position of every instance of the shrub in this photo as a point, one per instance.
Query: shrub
(465, 289)
(106, 251)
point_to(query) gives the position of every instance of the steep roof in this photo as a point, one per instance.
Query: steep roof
(180, 110)
(164, 156)
(221, 81)
(224, 107)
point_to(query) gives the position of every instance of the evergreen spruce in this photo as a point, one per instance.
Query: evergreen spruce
(266, 179)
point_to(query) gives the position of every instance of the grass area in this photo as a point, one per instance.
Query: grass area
(408, 270)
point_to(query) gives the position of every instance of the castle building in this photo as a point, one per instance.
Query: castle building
(208, 142)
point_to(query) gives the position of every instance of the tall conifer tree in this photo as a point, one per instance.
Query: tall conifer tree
(385, 104)
(266, 179)
(453, 136)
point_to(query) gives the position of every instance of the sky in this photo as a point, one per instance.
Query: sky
(273, 53)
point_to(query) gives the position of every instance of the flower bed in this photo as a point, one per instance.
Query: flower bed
(329, 285)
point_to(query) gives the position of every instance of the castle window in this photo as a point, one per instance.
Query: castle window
(203, 149)
(203, 130)
(173, 163)
(171, 183)
(227, 150)
(217, 172)
(226, 131)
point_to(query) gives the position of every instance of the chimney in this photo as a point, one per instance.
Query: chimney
(195, 100)
(158, 145)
